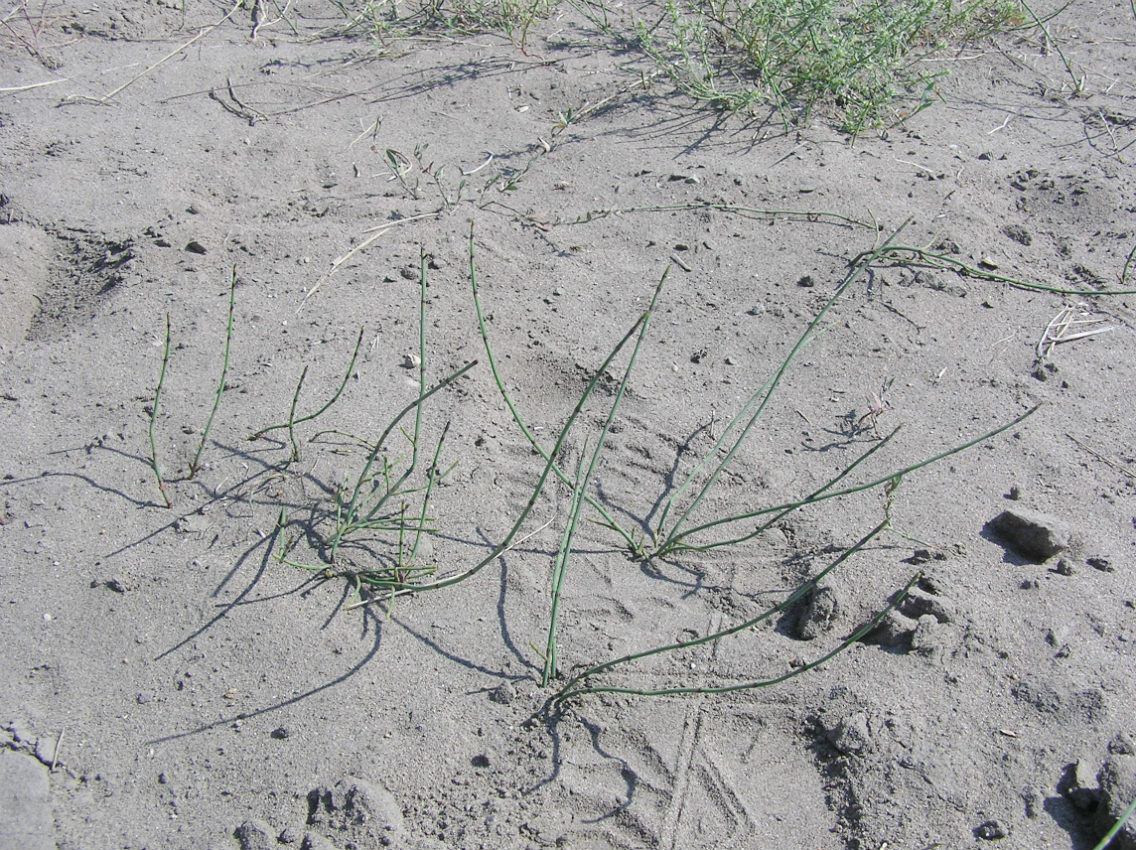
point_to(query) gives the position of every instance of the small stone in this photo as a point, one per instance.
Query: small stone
(893, 632)
(1117, 780)
(280, 733)
(1018, 233)
(852, 736)
(1063, 568)
(1079, 784)
(1101, 564)
(1032, 800)
(1122, 744)
(254, 835)
(481, 760)
(313, 841)
(288, 835)
(992, 830)
(195, 247)
(806, 281)
(930, 637)
(503, 694)
(353, 802)
(1032, 534)
(115, 584)
(918, 602)
(819, 613)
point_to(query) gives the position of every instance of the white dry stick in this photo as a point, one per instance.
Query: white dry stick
(30, 86)
(1060, 328)
(105, 99)
(375, 232)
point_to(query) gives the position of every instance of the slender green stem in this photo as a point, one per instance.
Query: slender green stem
(154, 417)
(293, 421)
(578, 687)
(788, 509)
(609, 521)
(549, 464)
(1078, 85)
(432, 476)
(1119, 825)
(563, 553)
(761, 398)
(580, 488)
(355, 508)
(349, 519)
(196, 465)
(826, 494)
(933, 260)
(1132, 253)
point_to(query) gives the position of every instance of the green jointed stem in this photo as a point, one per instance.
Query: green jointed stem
(826, 494)
(196, 465)
(563, 476)
(788, 509)
(576, 688)
(349, 519)
(580, 489)
(1132, 253)
(672, 535)
(291, 423)
(432, 475)
(933, 260)
(389, 488)
(292, 420)
(1078, 85)
(563, 553)
(154, 417)
(1116, 827)
(548, 467)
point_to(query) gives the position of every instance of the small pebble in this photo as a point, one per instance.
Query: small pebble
(503, 694)
(992, 830)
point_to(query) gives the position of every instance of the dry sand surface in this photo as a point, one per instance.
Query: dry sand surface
(167, 682)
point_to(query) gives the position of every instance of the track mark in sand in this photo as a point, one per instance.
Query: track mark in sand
(688, 744)
(699, 767)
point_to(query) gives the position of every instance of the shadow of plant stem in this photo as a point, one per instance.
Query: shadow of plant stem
(673, 537)
(382, 500)
(578, 685)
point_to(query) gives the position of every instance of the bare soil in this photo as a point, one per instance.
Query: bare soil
(168, 683)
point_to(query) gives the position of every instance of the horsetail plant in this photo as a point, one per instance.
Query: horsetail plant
(195, 464)
(154, 418)
(292, 421)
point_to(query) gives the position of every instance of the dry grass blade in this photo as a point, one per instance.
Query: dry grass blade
(106, 98)
(1061, 328)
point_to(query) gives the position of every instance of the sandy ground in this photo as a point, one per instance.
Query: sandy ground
(168, 683)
